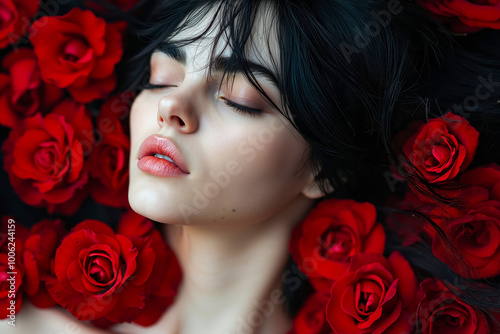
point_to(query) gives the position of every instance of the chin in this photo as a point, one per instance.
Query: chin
(148, 201)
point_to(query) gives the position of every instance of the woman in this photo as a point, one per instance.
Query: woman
(252, 111)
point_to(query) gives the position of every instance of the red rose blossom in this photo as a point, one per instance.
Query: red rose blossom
(109, 277)
(440, 148)
(334, 231)
(78, 51)
(44, 157)
(375, 295)
(465, 15)
(311, 318)
(38, 258)
(109, 159)
(441, 311)
(164, 283)
(474, 228)
(22, 91)
(15, 16)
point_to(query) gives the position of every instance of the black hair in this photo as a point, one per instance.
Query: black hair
(352, 73)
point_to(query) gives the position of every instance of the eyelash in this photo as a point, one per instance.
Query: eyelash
(155, 86)
(241, 109)
(235, 106)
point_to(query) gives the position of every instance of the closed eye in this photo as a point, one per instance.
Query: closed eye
(240, 108)
(156, 86)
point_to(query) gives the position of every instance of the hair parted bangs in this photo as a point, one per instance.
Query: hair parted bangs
(232, 26)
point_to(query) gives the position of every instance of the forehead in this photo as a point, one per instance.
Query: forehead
(202, 37)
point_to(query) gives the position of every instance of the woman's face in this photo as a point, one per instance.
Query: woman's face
(235, 158)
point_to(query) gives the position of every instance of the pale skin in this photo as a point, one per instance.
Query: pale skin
(233, 250)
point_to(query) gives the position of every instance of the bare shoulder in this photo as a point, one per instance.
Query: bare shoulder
(46, 321)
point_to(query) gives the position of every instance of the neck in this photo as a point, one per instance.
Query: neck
(232, 275)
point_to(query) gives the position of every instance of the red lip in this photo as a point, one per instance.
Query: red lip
(158, 166)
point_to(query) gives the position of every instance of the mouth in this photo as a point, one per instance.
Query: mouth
(159, 156)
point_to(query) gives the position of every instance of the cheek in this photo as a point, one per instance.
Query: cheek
(143, 116)
(278, 150)
(277, 155)
(262, 149)
(264, 169)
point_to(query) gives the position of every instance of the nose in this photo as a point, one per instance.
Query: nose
(177, 111)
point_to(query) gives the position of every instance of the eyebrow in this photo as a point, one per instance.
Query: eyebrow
(172, 51)
(220, 63)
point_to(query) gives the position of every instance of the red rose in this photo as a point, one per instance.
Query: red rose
(44, 157)
(311, 318)
(486, 177)
(38, 258)
(465, 16)
(78, 51)
(109, 159)
(334, 231)
(108, 277)
(440, 148)
(441, 311)
(375, 295)
(22, 91)
(474, 228)
(14, 18)
(476, 234)
(167, 270)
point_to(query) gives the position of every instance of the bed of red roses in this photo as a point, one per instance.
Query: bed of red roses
(68, 141)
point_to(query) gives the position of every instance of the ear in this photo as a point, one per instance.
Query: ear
(312, 189)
